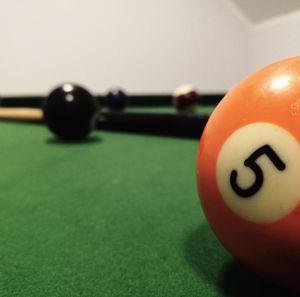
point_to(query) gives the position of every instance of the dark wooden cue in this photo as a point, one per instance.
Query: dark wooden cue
(181, 125)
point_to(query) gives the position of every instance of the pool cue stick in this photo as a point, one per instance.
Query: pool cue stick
(21, 114)
(180, 125)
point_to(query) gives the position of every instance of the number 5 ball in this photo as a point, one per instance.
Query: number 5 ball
(248, 172)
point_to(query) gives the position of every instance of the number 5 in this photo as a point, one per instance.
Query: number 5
(259, 176)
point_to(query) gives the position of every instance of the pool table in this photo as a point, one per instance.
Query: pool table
(115, 215)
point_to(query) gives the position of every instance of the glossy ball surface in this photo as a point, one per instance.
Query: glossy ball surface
(185, 99)
(248, 172)
(116, 99)
(70, 112)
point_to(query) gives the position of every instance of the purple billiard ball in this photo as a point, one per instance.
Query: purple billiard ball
(116, 99)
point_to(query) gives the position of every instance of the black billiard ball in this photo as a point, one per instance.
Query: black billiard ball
(70, 112)
(185, 99)
(116, 99)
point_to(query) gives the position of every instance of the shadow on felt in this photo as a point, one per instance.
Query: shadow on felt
(215, 266)
(89, 140)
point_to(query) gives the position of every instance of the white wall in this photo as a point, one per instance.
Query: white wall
(144, 46)
(258, 11)
(275, 40)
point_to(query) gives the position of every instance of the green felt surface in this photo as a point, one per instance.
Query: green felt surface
(117, 215)
(201, 110)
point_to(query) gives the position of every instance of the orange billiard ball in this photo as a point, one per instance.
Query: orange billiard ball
(248, 172)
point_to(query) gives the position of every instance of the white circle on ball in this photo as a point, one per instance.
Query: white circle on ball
(274, 152)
